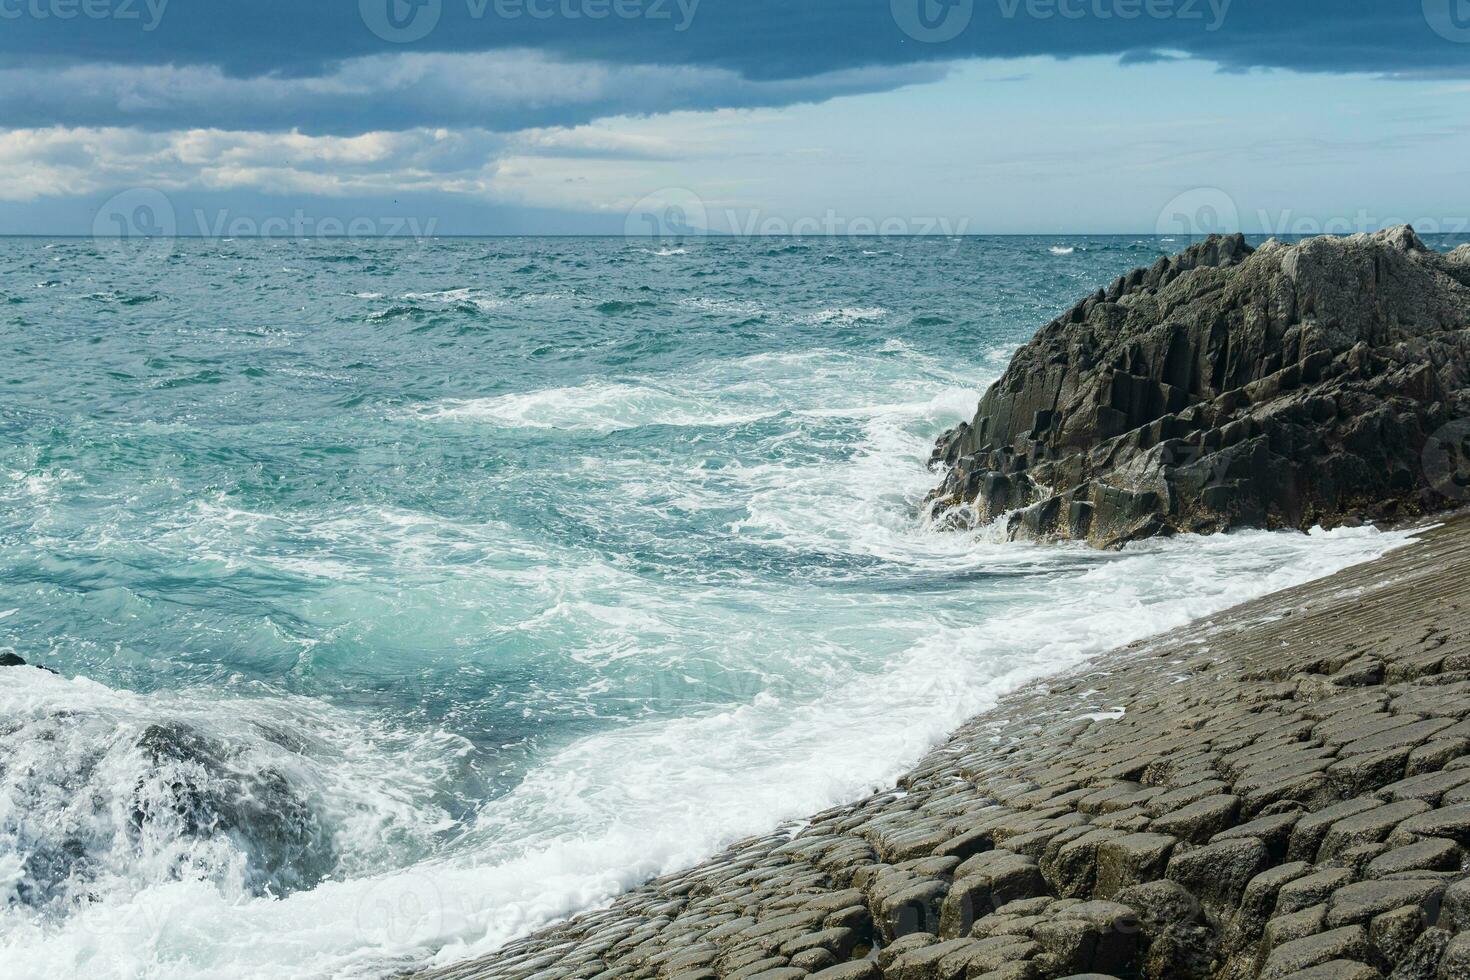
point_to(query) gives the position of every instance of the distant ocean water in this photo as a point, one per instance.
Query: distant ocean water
(409, 595)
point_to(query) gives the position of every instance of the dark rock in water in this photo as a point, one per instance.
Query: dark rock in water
(11, 660)
(198, 787)
(1285, 386)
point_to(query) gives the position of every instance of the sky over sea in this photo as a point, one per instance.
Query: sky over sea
(219, 118)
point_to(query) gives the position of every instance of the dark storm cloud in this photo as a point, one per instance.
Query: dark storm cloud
(166, 63)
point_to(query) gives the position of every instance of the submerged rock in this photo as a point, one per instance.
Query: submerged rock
(1285, 386)
(197, 788)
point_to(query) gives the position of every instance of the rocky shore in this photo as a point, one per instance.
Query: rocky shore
(1281, 792)
(1291, 385)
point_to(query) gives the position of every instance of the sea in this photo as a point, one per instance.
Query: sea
(405, 596)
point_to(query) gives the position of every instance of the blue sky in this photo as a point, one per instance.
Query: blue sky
(745, 116)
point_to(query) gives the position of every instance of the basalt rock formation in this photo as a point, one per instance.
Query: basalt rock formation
(1284, 386)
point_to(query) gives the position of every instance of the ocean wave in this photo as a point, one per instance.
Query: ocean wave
(596, 406)
(594, 818)
(659, 796)
(670, 578)
(110, 800)
(735, 392)
(746, 309)
(845, 314)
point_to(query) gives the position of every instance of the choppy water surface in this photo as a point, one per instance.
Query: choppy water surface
(406, 596)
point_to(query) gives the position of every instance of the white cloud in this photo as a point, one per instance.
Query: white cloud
(61, 161)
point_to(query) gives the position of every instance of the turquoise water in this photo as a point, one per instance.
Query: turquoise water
(408, 595)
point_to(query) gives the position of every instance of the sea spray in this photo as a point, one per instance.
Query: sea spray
(386, 639)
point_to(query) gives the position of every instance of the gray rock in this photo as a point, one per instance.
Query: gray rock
(1393, 933)
(1258, 902)
(1088, 936)
(858, 970)
(1348, 943)
(1337, 970)
(1421, 962)
(760, 968)
(1131, 860)
(1160, 904)
(902, 945)
(1218, 873)
(1289, 927)
(1180, 953)
(1286, 386)
(913, 908)
(1452, 822)
(1455, 963)
(1368, 828)
(1307, 835)
(1362, 901)
(1073, 867)
(1433, 854)
(780, 973)
(1011, 971)
(925, 963)
(840, 942)
(812, 960)
(1200, 820)
(1454, 912)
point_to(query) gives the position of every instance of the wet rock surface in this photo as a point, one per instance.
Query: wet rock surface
(1264, 808)
(1286, 386)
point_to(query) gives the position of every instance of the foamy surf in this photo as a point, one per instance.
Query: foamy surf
(607, 811)
(408, 634)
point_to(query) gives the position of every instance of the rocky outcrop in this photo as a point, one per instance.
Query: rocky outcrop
(1283, 793)
(8, 659)
(1285, 386)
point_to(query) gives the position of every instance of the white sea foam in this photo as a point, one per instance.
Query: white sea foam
(801, 696)
(845, 314)
(747, 309)
(815, 383)
(612, 809)
(132, 819)
(1062, 249)
(599, 406)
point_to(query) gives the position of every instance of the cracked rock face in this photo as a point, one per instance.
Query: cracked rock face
(1286, 386)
